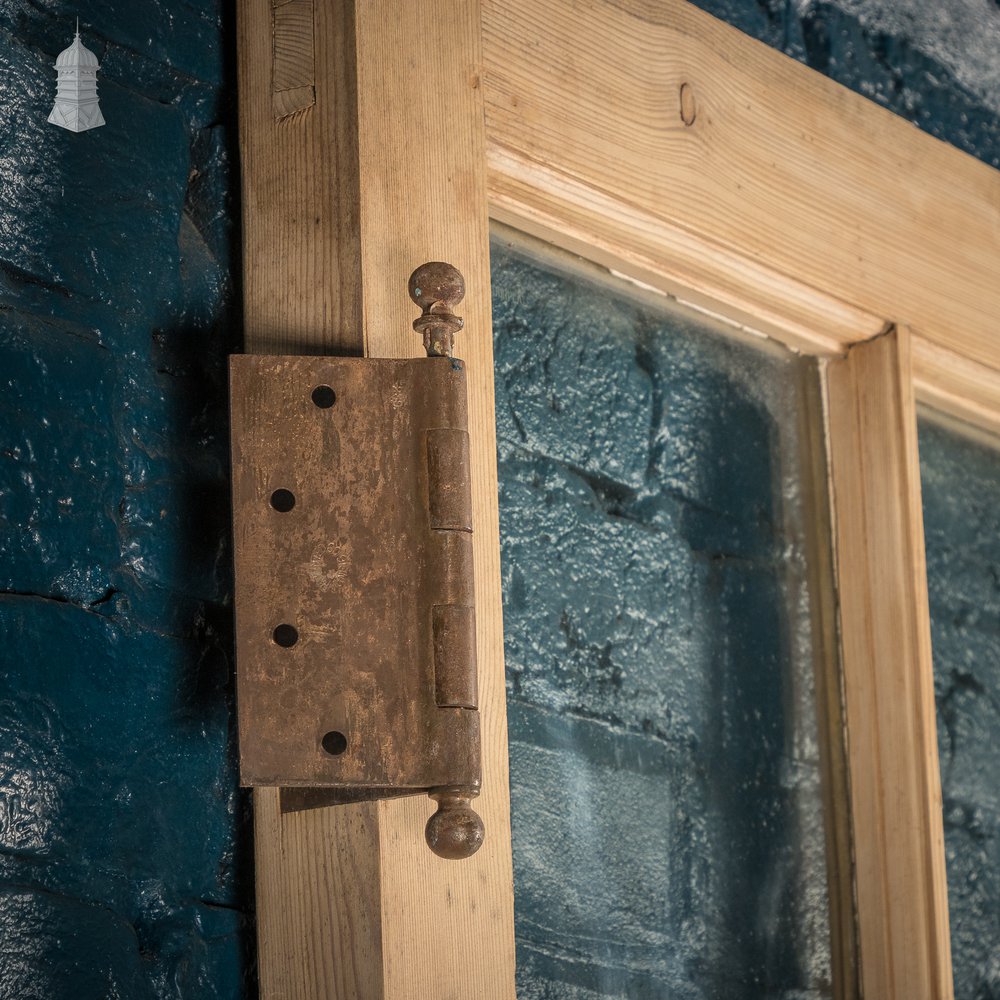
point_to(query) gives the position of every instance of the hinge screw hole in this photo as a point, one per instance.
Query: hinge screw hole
(334, 743)
(283, 501)
(286, 635)
(324, 397)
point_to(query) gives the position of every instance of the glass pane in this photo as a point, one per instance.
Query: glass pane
(960, 477)
(665, 777)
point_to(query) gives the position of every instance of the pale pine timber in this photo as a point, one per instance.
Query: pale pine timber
(318, 883)
(341, 201)
(300, 192)
(293, 67)
(447, 927)
(888, 681)
(789, 204)
(955, 385)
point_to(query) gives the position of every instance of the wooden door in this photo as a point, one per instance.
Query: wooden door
(653, 140)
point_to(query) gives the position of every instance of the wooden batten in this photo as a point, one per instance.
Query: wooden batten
(888, 681)
(300, 189)
(359, 164)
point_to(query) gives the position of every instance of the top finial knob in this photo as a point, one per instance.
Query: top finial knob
(437, 288)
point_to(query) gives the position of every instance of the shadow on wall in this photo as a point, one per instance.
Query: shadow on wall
(124, 841)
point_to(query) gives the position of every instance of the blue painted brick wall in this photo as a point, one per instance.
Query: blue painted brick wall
(961, 490)
(665, 798)
(123, 861)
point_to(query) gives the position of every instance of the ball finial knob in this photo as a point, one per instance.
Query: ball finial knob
(455, 831)
(437, 288)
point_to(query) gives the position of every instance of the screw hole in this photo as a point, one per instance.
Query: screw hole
(286, 635)
(324, 397)
(334, 743)
(283, 500)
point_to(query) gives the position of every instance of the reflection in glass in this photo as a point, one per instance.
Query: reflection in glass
(960, 479)
(665, 781)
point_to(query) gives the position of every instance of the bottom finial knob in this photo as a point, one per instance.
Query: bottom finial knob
(455, 831)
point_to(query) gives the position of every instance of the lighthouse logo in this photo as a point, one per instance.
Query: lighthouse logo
(76, 106)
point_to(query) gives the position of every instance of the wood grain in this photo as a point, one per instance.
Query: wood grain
(341, 202)
(319, 913)
(300, 194)
(447, 926)
(293, 57)
(956, 386)
(815, 471)
(631, 240)
(788, 204)
(896, 809)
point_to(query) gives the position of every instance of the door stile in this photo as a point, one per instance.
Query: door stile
(361, 132)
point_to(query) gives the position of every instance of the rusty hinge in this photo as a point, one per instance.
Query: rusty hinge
(355, 620)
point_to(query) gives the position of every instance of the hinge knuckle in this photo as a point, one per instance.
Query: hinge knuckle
(454, 631)
(448, 479)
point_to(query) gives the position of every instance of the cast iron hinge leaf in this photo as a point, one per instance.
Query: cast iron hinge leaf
(355, 619)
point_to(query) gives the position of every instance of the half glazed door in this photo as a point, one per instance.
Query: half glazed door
(664, 146)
